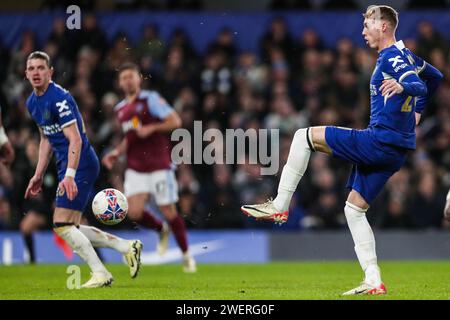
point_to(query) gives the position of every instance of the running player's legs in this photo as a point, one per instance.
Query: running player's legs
(137, 188)
(165, 191)
(164, 188)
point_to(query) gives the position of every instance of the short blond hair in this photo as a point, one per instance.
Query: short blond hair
(383, 12)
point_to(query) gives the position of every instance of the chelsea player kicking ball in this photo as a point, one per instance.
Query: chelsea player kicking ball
(110, 206)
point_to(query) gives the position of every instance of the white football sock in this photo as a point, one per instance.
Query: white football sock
(364, 242)
(294, 169)
(101, 239)
(81, 245)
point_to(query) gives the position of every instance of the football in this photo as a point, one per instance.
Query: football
(110, 206)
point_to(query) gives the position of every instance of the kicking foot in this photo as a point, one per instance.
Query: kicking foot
(366, 288)
(189, 264)
(265, 211)
(163, 243)
(133, 257)
(98, 280)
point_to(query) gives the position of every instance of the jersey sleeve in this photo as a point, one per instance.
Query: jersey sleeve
(158, 106)
(397, 66)
(64, 108)
(432, 78)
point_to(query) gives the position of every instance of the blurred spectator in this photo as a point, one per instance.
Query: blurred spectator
(277, 36)
(429, 39)
(92, 35)
(150, 45)
(225, 44)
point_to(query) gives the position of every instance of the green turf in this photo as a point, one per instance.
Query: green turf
(308, 280)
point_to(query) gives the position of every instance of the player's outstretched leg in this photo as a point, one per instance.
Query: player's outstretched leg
(293, 170)
(178, 228)
(131, 249)
(364, 240)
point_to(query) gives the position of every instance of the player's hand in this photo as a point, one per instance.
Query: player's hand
(145, 131)
(34, 187)
(390, 87)
(69, 186)
(7, 154)
(110, 159)
(418, 116)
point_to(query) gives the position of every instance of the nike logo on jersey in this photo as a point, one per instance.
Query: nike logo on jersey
(61, 107)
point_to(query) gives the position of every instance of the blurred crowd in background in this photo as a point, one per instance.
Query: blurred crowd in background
(292, 82)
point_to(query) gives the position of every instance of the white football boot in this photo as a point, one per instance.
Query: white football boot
(265, 211)
(189, 264)
(366, 288)
(133, 257)
(98, 280)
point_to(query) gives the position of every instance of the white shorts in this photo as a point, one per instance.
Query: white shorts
(161, 185)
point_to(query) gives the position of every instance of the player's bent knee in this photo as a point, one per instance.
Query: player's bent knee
(355, 199)
(317, 135)
(303, 138)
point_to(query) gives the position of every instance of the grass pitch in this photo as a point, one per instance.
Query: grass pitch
(279, 281)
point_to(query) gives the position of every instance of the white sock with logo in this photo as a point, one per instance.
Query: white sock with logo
(101, 239)
(364, 242)
(294, 169)
(81, 245)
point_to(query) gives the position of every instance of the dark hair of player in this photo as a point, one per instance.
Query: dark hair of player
(40, 55)
(128, 66)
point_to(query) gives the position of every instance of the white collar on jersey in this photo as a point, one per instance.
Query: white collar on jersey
(400, 45)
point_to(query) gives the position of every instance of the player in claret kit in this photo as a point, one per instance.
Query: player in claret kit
(62, 132)
(146, 120)
(400, 87)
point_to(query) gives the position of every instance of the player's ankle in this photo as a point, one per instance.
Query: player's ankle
(373, 275)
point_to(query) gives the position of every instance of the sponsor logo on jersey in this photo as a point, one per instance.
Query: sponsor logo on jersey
(63, 108)
(131, 124)
(402, 66)
(396, 60)
(51, 129)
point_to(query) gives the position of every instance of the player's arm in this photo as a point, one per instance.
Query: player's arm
(159, 108)
(111, 157)
(45, 154)
(403, 77)
(171, 122)
(73, 158)
(432, 78)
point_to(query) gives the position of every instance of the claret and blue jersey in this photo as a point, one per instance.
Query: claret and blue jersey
(52, 112)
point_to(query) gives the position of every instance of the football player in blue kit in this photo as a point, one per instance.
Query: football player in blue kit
(400, 87)
(62, 132)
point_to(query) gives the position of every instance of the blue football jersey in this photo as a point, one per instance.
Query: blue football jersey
(393, 119)
(53, 111)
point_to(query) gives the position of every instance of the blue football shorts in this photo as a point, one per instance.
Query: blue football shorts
(373, 162)
(87, 173)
